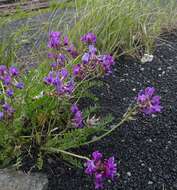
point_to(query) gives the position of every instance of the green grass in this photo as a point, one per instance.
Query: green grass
(125, 26)
(121, 26)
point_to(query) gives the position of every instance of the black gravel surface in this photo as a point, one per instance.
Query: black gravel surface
(145, 149)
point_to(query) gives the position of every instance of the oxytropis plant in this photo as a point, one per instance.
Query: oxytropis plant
(51, 118)
(10, 82)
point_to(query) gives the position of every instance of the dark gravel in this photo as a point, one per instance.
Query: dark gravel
(145, 149)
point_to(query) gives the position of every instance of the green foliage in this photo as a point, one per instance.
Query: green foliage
(43, 120)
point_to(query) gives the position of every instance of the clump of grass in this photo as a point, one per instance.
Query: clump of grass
(125, 26)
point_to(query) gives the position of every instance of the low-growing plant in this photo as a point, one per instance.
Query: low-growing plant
(40, 107)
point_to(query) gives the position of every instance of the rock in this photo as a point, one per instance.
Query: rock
(17, 180)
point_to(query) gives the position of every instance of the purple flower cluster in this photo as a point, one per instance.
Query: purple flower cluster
(89, 38)
(57, 42)
(77, 116)
(61, 51)
(148, 103)
(101, 169)
(8, 79)
(61, 81)
(91, 62)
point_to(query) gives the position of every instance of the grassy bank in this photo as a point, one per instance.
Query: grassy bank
(125, 26)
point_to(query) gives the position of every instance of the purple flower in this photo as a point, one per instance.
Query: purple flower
(106, 62)
(8, 109)
(77, 118)
(49, 79)
(72, 50)
(90, 167)
(66, 41)
(89, 38)
(63, 73)
(110, 168)
(53, 65)
(92, 49)
(9, 92)
(74, 109)
(3, 70)
(19, 85)
(51, 55)
(54, 40)
(97, 155)
(101, 169)
(76, 69)
(1, 115)
(69, 87)
(7, 80)
(147, 102)
(99, 181)
(61, 59)
(86, 58)
(58, 84)
(13, 71)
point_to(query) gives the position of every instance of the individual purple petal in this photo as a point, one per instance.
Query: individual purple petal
(149, 91)
(86, 58)
(20, 85)
(92, 49)
(61, 59)
(3, 69)
(8, 109)
(77, 118)
(89, 38)
(69, 87)
(97, 155)
(99, 181)
(9, 92)
(64, 73)
(90, 167)
(74, 108)
(1, 115)
(7, 80)
(110, 168)
(49, 79)
(53, 65)
(13, 71)
(58, 84)
(66, 41)
(54, 40)
(76, 69)
(72, 50)
(51, 55)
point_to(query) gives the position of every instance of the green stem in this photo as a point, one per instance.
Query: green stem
(56, 150)
(125, 118)
(3, 90)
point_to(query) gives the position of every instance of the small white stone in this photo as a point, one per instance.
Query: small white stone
(150, 169)
(142, 69)
(150, 182)
(129, 174)
(159, 69)
(134, 89)
(147, 58)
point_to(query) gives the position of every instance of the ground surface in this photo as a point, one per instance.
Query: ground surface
(146, 149)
